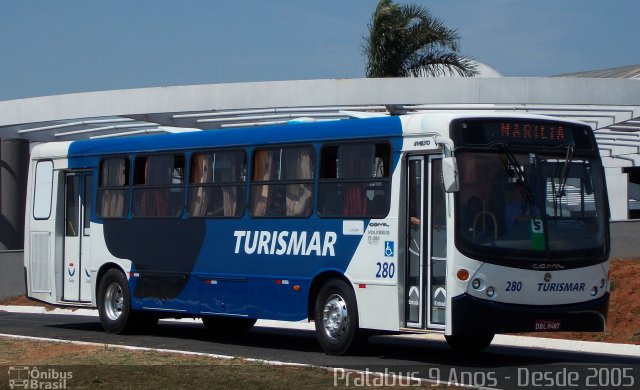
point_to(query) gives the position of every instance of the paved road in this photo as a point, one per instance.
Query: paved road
(396, 354)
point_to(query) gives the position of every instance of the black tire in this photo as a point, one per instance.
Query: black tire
(336, 319)
(114, 306)
(472, 343)
(226, 325)
(114, 302)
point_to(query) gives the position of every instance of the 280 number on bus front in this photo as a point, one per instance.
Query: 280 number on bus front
(513, 286)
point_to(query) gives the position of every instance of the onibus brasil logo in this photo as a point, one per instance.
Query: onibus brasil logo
(24, 377)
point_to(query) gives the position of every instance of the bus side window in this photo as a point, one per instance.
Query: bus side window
(282, 182)
(158, 182)
(113, 188)
(264, 170)
(355, 162)
(354, 180)
(298, 167)
(217, 184)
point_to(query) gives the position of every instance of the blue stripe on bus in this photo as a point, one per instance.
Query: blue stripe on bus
(181, 281)
(190, 263)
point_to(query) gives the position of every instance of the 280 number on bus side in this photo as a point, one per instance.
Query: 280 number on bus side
(385, 270)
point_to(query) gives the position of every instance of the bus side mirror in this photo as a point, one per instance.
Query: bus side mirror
(450, 174)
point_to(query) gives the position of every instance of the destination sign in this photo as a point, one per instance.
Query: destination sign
(526, 132)
(522, 133)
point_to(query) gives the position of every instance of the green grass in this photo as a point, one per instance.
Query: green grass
(106, 367)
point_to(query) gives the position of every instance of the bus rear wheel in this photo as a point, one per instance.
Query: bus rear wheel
(472, 343)
(336, 319)
(114, 301)
(114, 306)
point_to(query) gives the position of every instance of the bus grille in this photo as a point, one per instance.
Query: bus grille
(40, 280)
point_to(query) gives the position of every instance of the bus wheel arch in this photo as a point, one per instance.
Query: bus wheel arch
(335, 313)
(316, 285)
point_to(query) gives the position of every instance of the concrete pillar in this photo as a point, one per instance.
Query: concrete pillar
(14, 166)
(617, 182)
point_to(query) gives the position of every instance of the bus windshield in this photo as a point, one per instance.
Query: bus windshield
(515, 206)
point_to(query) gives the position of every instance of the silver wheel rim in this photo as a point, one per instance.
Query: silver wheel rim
(335, 317)
(113, 301)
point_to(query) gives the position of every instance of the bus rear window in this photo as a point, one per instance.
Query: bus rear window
(43, 188)
(354, 180)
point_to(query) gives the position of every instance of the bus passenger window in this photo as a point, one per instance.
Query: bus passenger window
(354, 180)
(158, 186)
(113, 188)
(297, 166)
(282, 182)
(217, 184)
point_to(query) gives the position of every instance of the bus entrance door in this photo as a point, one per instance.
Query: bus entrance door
(425, 284)
(77, 213)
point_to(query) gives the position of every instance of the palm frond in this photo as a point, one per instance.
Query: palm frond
(406, 40)
(437, 64)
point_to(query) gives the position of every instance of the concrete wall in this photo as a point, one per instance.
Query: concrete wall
(14, 168)
(625, 239)
(11, 274)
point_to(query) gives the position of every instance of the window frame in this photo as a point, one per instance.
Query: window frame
(144, 187)
(126, 188)
(385, 180)
(255, 184)
(191, 186)
(36, 191)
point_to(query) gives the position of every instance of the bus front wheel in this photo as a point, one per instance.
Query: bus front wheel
(336, 318)
(472, 343)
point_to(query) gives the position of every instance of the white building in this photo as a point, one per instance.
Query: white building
(609, 100)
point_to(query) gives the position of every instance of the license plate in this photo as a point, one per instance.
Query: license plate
(547, 325)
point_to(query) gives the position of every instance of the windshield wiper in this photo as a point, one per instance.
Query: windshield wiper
(564, 175)
(521, 177)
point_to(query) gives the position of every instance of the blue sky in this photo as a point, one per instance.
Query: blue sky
(53, 47)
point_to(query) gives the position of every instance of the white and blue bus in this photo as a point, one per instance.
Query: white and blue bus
(465, 224)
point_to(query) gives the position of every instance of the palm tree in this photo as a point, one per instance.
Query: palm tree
(405, 40)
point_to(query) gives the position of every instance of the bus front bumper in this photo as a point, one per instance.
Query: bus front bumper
(471, 315)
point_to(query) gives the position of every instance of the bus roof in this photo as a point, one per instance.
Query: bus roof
(290, 133)
(434, 122)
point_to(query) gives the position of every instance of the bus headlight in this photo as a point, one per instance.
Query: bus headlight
(476, 284)
(594, 291)
(602, 283)
(491, 292)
